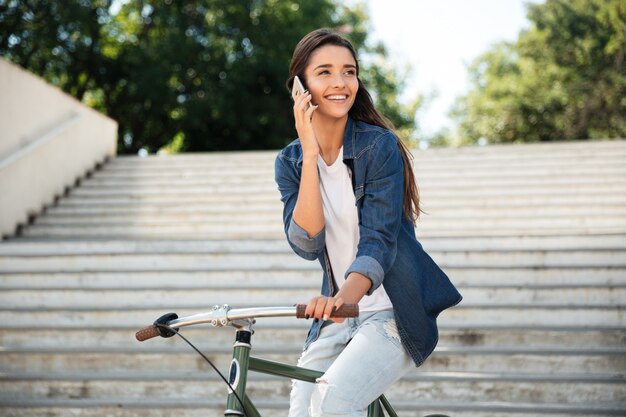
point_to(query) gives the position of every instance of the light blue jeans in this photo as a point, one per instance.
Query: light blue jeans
(360, 358)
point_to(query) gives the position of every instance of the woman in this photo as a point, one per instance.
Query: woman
(351, 202)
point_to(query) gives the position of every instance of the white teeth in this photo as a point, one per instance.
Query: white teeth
(336, 97)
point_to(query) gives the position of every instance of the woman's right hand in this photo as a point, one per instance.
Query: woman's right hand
(303, 115)
(322, 308)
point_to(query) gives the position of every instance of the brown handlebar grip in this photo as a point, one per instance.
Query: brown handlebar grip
(346, 310)
(147, 333)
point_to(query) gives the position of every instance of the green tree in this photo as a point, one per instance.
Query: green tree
(59, 40)
(564, 78)
(384, 83)
(190, 76)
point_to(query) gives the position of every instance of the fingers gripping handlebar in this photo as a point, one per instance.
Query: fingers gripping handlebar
(220, 316)
(346, 310)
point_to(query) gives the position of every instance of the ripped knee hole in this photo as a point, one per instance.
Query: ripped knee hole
(391, 329)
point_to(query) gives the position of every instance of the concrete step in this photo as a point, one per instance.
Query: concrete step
(426, 157)
(427, 176)
(554, 150)
(211, 182)
(29, 299)
(417, 387)
(189, 212)
(130, 201)
(436, 190)
(427, 161)
(49, 336)
(124, 299)
(464, 315)
(150, 357)
(490, 155)
(284, 260)
(470, 215)
(122, 407)
(195, 181)
(274, 231)
(23, 247)
(266, 336)
(274, 219)
(65, 209)
(424, 169)
(555, 199)
(297, 278)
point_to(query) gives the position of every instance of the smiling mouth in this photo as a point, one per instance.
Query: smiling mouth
(337, 97)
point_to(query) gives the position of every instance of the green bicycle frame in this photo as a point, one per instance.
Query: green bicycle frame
(238, 375)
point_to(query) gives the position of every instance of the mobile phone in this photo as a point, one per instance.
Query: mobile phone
(298, 88)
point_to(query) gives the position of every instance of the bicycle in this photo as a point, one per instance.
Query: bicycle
(238, 404)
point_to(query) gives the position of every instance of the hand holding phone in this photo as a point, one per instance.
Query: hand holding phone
(304, 124)
(298, 88)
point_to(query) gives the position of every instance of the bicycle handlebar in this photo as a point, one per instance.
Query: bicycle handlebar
(224, 316)
(147, 333)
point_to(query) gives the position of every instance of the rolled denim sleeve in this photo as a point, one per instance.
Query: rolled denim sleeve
(287, 176)
(369, 267)
(300, 238)
(381, 211)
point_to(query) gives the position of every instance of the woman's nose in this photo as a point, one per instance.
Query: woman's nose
(338, 81)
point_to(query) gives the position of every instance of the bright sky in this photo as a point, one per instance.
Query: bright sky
(439, 39)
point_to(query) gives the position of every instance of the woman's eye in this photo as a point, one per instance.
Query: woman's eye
(350, 72)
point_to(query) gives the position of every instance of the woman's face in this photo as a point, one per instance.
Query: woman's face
(332, 80)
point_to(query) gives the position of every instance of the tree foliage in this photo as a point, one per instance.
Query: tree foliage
(189, 76)
(564, 78)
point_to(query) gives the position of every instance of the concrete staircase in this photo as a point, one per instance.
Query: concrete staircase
(534, 236)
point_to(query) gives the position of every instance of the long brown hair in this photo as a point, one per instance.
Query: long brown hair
(363, 108)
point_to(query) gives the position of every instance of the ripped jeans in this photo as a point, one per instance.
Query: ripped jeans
(356, 373)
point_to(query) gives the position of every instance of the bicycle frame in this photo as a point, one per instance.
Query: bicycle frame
(242, 320)
(242, 362)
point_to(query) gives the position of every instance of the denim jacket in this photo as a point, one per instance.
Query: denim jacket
(388, 250)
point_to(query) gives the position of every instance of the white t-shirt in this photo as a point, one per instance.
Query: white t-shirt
(342, 227)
